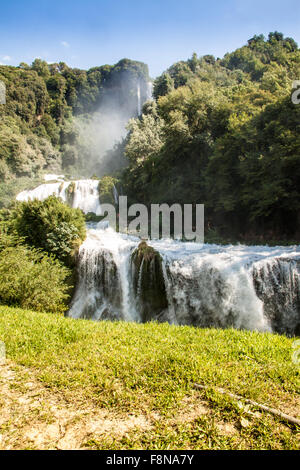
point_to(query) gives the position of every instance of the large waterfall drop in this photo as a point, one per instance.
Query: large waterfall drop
(255, 288)
(149, 91)
(104, 289)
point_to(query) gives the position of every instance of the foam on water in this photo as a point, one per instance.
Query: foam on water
(52, 177)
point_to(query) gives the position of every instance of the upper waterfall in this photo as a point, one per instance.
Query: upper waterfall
(139, 102)
(81, 194)
(149, 91)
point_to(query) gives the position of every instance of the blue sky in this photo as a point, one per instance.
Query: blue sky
(86, 33)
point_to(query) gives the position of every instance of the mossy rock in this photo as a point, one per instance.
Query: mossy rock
(70, 192)
(148, 282)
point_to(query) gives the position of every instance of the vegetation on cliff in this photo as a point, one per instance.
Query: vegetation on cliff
(38, 246)
(49, 225)
(221, 132)
(44, 104)
(224, 133)
(29, 278)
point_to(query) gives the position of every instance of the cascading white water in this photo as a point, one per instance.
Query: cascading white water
(139, 101)
(84, 194)
(104, 288)
(277, 283)
(116, 195)
(212, 287)
(206, 285)
(149, 91)
(53, 177)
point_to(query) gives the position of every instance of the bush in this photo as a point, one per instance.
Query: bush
(50, 225)
(31, 279)
(106, 189)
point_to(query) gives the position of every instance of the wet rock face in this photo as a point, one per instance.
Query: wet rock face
(148, 282)
(277, 284)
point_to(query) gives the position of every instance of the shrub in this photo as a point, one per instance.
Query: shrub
(50, 225)
(31, 279)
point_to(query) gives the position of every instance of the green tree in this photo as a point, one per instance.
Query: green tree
(163, 85)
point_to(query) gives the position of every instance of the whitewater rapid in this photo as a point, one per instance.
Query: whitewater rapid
(254, 288)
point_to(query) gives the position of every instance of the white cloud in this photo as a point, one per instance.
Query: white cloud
(65, 44)
(6, 58)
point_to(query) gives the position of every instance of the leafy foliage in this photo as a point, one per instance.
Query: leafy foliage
(107, 186)
(51, 226)
(31, 279)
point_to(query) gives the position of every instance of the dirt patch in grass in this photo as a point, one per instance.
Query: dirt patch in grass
(33, 417)
(191, 409)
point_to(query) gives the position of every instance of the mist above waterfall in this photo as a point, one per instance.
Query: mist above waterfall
(102, 133)
(99, 134)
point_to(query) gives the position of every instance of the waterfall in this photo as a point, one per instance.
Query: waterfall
(81, 194)
(139, 100)
(53, 177)
(116, 195)
(277, 284)
(254, 288)
(104, 289)
(120, 278)
(149, 91)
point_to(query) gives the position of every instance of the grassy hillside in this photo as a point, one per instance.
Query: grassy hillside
(74, 383)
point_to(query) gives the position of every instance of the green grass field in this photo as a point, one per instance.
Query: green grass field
(131, 386)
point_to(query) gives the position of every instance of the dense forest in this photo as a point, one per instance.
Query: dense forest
(224, 132)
